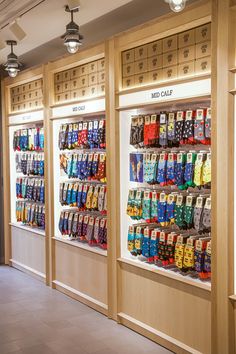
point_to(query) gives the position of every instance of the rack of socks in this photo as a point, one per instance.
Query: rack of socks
(183, 169)
(187, 252)
(28, 139)
(83, 135)
(84, 166)
(171, 129)
(30, 214)
(31, 189)
(84, 196)
(30, 164)
(84, 227)
(185, 210)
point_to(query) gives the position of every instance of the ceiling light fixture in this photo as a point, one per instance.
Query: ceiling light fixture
(176, 5)
(12, 65)
(72, 37)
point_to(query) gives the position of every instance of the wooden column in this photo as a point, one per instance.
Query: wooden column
(222, 164)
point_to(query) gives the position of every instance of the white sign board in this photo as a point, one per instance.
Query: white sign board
(79, 108)
(196, 88)
(26, 117)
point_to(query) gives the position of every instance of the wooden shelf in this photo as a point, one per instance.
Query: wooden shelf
(34, 230)
(233, 91)
(163, 83)
(84, 246)
(168, 273)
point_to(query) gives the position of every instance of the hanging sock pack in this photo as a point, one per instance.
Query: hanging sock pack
(170, 208)
(180, 170)
(146, 207)
(179, 127)
(179, 212)
(198, 212)
(161, 209)
(206, 172)
(189, 169)
(163, 135)
(154, 206)
(170, 168)
(189, 211)
(188, 130)
(162, 169)
(171, 130)
(153, 134)
(198, 169)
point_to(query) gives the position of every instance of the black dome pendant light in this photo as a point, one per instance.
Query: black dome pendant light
(12, 65)
(72, 37)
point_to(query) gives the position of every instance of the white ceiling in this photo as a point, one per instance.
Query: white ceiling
(47, 20)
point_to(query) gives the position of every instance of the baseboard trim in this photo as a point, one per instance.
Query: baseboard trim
(155, 335)
(26, 269)
(79, 296)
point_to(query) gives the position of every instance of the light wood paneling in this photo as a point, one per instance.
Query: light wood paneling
(178, 310)
(81, 270)
(28, 250)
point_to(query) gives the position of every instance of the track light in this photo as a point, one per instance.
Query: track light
(18, 32)
(176, 5)
(72, 37)
(12, 65)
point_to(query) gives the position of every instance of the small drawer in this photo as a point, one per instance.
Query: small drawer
(17, 99)
(155, 48)
(30, 86)
(203, 49)
(24, 88)
(37, 103)
(128, 56)
(74, 94)
(58, 77)
(83, 81)
(170, 73)
(19, 90)
(84, 92)
(31, 104)
(203, 65)
(74, 84)
(58, 98)
(25, 96)
(83, 70)
(25, 106)
(186, 39)
(66, 75)
(170, 58)
(186, 54)
(140, 66)
(128, 69)
(101, 89)
(170, 44)
(74, 73)
(66, 96)
(92, 79)
(58, 88)
(101, 64)
(13, 91)
(155, 76)
(141, 79)
(66, 86)
(203, 33)
(155, 63)
(186, 69)
(33, 95)
(92, 67)
(128, 82)
(140, 52)
(14, 108)
(37, 84)
(93, 90)
(101, 77)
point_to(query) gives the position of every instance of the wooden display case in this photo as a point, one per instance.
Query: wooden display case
(178, 60)
(78, 269)
(163, 300)
(25, 246)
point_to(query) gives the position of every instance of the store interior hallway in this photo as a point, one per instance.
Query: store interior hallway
(38, 320)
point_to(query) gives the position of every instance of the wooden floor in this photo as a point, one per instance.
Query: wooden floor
(36, 319)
